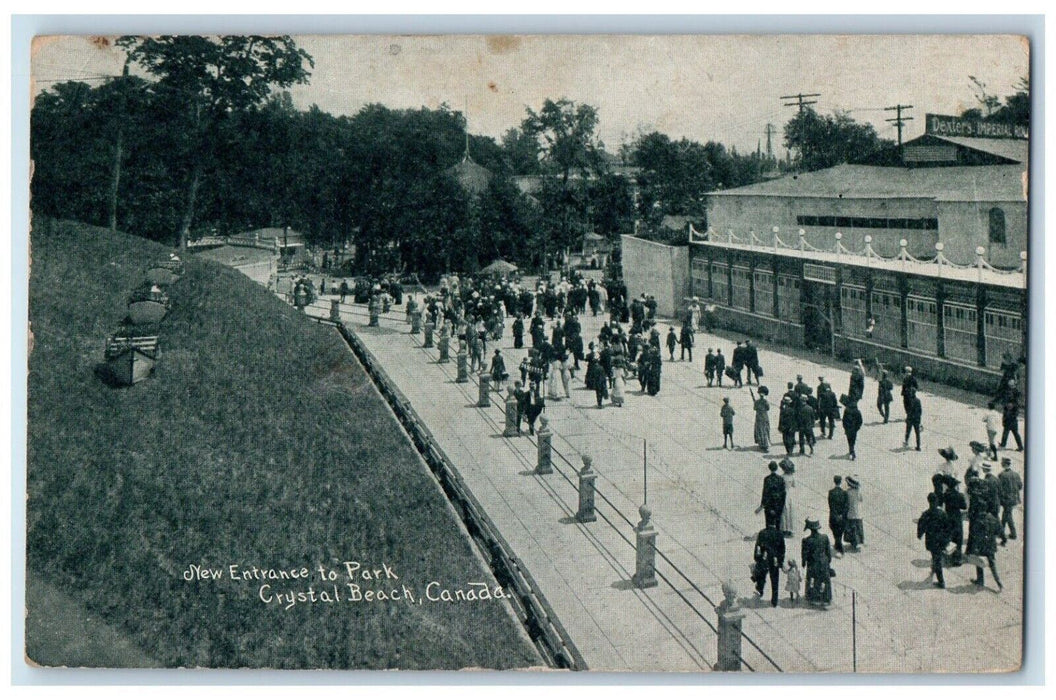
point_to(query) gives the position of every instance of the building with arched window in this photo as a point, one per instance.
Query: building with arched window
(817, 258)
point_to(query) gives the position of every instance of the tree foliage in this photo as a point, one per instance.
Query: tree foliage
(824, 141)
(207, 80)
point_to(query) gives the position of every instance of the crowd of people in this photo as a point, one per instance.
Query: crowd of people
(629, 348)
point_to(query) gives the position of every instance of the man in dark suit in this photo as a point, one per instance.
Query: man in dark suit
(838, 504)
(751, 361)
(909, 386)
(1009, 486)
(769, 558)
(772, 502)
(720, 365)
(738, 363)
(805, 419)
(954, 503)
(934, 527)
(709, 366)
(914, 413)
(983, 531)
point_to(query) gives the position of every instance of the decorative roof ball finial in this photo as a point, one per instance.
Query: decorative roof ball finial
(802, 233)
(939, 246)
(980, 250)
(868, 240)
(839, 236)
(1023, 255)
(903, 243)
(775, 229)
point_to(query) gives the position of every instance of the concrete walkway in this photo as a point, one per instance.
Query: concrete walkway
(703, 500)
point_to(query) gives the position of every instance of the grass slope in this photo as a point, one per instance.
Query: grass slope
(259, 441)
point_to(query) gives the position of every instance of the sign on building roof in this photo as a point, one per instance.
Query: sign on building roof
(945, 125)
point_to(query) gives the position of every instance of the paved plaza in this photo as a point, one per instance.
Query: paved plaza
(703, 500)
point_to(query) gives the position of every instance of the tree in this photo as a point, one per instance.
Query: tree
(521, 152)
(824, 141)
(209, 79)
(1015, 110)
(571, 152)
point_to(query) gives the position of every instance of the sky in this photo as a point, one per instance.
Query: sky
(725, 88)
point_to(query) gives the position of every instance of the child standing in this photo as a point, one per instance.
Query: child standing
(993, 424)
(672, 341)
(792, 581)
(727, 414)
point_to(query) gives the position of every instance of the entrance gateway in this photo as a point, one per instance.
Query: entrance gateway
(819, 287)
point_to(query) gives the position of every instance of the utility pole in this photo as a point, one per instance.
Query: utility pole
(769, 144)
(899, 119)
(800, 100)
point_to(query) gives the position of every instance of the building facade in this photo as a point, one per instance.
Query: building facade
(921, 262)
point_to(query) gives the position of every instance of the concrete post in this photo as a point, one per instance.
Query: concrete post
(335, 310)
(544, 434)
(484, 395)
(511, 429)
(463, 371)
(587, 479)
(645, 551)
(429, 328)
(445, 347)
(374, 314)
(729, 638)
(416, 322)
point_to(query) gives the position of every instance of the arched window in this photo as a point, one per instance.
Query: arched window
(997, 226)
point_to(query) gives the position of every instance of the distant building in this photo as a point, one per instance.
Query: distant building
(809, 259)
(965, 192)
(289, 245)
(258, 264)
(472, 177)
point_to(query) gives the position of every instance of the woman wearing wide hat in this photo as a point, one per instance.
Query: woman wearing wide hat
(762, 417)
(817, 560)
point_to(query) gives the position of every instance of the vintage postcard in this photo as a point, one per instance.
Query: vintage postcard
(699, 353)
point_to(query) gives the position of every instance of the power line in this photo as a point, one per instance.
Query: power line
(800, 101)
(899, 119)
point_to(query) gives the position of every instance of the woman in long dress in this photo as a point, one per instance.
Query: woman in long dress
(566, 374)
(554, 383)
(788, 516)
(619, 381)
(762, 417)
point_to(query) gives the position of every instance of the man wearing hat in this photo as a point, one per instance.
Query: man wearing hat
(883, 395)
(709, 366)
(914, 415)
(852, 423)
(828, 408)
(909, 385)
(983, 531)
(856, 388)
(801, 386)
(751, 361)
(817, 558)
(772, 502)
(1009, 485)
(769, 559)
(738, 364)
(934, 527)
(838, 511)
(954, 503)
(855, 528)
(805, 419)
(991, 491)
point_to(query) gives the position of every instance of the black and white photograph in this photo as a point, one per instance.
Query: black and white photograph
(692, 353)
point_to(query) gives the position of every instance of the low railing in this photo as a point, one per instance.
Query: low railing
(936, 266)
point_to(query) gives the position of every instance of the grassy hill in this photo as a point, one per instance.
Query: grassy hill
(259, 442)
